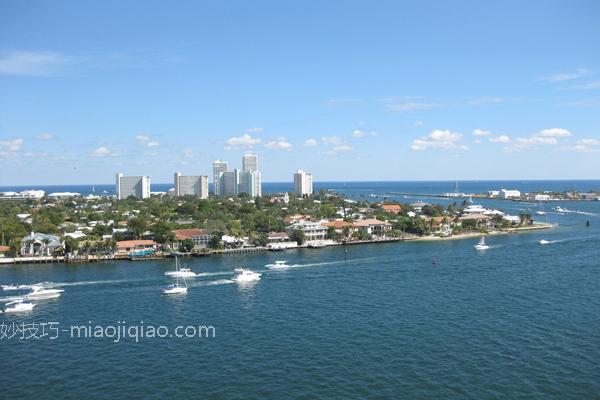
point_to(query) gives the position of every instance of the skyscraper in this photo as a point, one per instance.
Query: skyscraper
(250, 163)
(137, 186)
(191, 185)
(218, 168)
(303, 183)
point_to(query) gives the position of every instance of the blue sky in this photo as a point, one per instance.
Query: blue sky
(385, 90)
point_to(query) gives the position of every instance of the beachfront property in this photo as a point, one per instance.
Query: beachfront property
(303, 183)
(312, 230)
(23, 195)
(219, 167)
(129, 247)
(373, 226)
(509, 194)
(392, 208)
(136, 186)
(195, 185)
(199, 237)
(249, 162)
(40, 244)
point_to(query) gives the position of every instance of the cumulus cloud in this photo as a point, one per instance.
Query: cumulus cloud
(146, 140)
(500, 139)
(279, 144)
(481, 132)
(332, 140)
(554, 132)
(102, 151)
(255, 130)
(11, 144)
(45, 136)
(310, 143)
(439, 139)
(589, 142)
(245, 140)
(584, 146)
(360, 134)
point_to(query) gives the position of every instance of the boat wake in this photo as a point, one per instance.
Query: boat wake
(214, 283)
(214, 273)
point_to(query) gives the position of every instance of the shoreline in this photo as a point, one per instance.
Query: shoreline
(470, 235)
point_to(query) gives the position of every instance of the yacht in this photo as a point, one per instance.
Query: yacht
(18, 306)
(543, 241)
(181, 272)
(278, 265)
(39, 293)
(245, 275)
(481, 245)
(561, 210)
(175, 288)
(17, 287)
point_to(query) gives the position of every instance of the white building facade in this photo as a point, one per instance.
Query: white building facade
(219, 167)
(303, 183)
(136, 186)
(195, 185)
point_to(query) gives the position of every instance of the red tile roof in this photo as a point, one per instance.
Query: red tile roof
(123, 244)
(182, 234)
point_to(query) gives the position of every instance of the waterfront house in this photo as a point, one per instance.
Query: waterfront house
(392, 208)
(200, 238)
(4, 250)
(311, 230)
(40, 244)
(278, 237)
(373, 226)
(418, 206)
(510, 194)
(340, 226)
(481, 220)
(127, 247)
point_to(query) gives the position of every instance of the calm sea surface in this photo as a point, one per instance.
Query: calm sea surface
(520, 320)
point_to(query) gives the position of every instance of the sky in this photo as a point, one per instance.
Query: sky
(346, 90)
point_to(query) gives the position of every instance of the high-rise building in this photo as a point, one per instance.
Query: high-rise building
(303, 183)
(250, 163)
(191, 185)
(250, 183)
(229, 182)
(218, 168)
(137, 186)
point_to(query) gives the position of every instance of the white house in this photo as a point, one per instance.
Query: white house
(40, 244)
(509, 194)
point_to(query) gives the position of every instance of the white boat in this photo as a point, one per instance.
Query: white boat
(481, 245)
(278, 265)
(181, 272)
(561, 210)
(245, 275)
(175, 288)
(541, 210)
(39, 293)
(543, 241)
(18, 306)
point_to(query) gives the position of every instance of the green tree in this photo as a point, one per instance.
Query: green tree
(298, 236)
(138, 226)
(186, 246)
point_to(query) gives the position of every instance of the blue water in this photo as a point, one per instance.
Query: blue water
(361, 189)
(520, 320)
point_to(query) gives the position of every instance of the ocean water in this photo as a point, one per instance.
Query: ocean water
(360, 190)
(520, 320)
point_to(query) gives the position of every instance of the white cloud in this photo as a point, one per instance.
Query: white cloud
(342, 148)
(566, 76)
(279, 144)
(332, 140)
(440, 139)
(255, 130)
(244, 140)
(102, 151)
(418, 123)
(589, 142)
(152, 144)
(500, 139)
(360, 134)
(187, 153)
(481, 132)
(310, 143)
(412, 106)
(11, 144)
(45, 136)
(32, 63)
(554, 132)
(142, 137)
(146, 140)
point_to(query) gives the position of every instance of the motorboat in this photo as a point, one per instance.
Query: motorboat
(560, 209)
(181, 272)
(278, 265)
(40, 293)
(245, 275)
(543, 241)
(175, 288)
(18, 306)
(481, 245)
